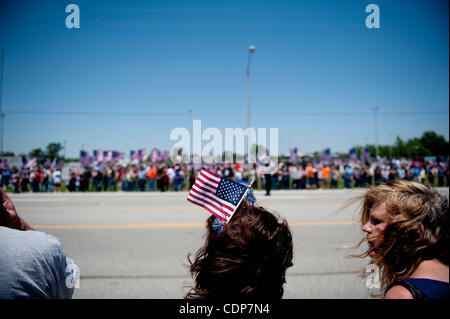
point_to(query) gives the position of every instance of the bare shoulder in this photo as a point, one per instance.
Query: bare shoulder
(398, 292)
(431, 269)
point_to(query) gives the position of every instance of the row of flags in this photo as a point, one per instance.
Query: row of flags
(31, 162)
(101, 156)
(364, 154)
(155, 155)
(325, 155)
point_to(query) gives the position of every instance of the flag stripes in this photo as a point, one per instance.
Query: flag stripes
(203, 193)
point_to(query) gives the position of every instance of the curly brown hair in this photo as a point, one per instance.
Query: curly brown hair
(416, 230)
(248, 259)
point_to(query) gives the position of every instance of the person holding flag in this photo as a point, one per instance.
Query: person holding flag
(247, 249)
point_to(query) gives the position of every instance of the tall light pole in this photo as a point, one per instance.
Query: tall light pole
(251, 49)
(2, 116)
(375, 109)
(390, 145)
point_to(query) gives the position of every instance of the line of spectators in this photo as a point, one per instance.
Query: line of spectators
(164, 176)
(37, 179)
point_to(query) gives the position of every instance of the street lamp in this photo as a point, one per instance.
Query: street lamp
(390, 145)
(375, 109)
(251, 49)
(2, 115)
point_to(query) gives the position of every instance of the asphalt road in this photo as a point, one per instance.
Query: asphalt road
(135, 245)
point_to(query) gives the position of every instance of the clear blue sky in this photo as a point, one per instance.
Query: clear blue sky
(314, 66)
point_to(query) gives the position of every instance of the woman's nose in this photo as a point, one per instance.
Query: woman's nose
(367, 228)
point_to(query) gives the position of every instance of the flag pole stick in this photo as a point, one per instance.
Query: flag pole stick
(245, 195)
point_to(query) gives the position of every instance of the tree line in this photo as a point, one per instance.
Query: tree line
(429, 144)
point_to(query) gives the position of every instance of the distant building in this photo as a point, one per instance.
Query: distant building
(12, 161)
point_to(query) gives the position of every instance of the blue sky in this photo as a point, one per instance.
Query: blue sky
(315, 75)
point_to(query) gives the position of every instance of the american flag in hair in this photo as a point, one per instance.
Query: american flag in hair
(218, 195)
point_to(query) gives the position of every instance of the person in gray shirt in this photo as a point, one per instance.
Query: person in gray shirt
(32, 263)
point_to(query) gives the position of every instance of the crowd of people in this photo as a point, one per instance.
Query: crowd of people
(177, 177)
(247, 256)
(37, 179)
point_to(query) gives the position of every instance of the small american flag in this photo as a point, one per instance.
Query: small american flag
(134, 155)
(155, 156)
(325, 155)
(352, 154)
(98, 155)
(117, 155)
(142, 155)
(31, 162)
(85, 159)
(107, 156)
(4, 164)
(218, 195)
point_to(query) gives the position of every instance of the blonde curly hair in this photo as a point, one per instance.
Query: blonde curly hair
(416, 228)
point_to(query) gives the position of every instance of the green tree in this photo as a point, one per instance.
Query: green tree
(385, 151)
(316, 155)
(415, 149)
(430, 144)
(37, 152)
(53, 150)
(435, 144)
(399, 149)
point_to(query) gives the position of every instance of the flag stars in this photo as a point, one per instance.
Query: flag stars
(230, 191)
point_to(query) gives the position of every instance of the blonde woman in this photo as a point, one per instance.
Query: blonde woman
(407, 236)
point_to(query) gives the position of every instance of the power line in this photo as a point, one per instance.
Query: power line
(215, 114)
(30, 112)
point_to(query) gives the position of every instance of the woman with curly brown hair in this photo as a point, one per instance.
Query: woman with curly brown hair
(245, 258)
(407, 234)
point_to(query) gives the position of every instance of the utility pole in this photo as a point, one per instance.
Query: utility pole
(251, 49)
(375, 109)
(2, 115)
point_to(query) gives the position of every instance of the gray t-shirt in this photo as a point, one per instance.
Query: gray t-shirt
(33, 265)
